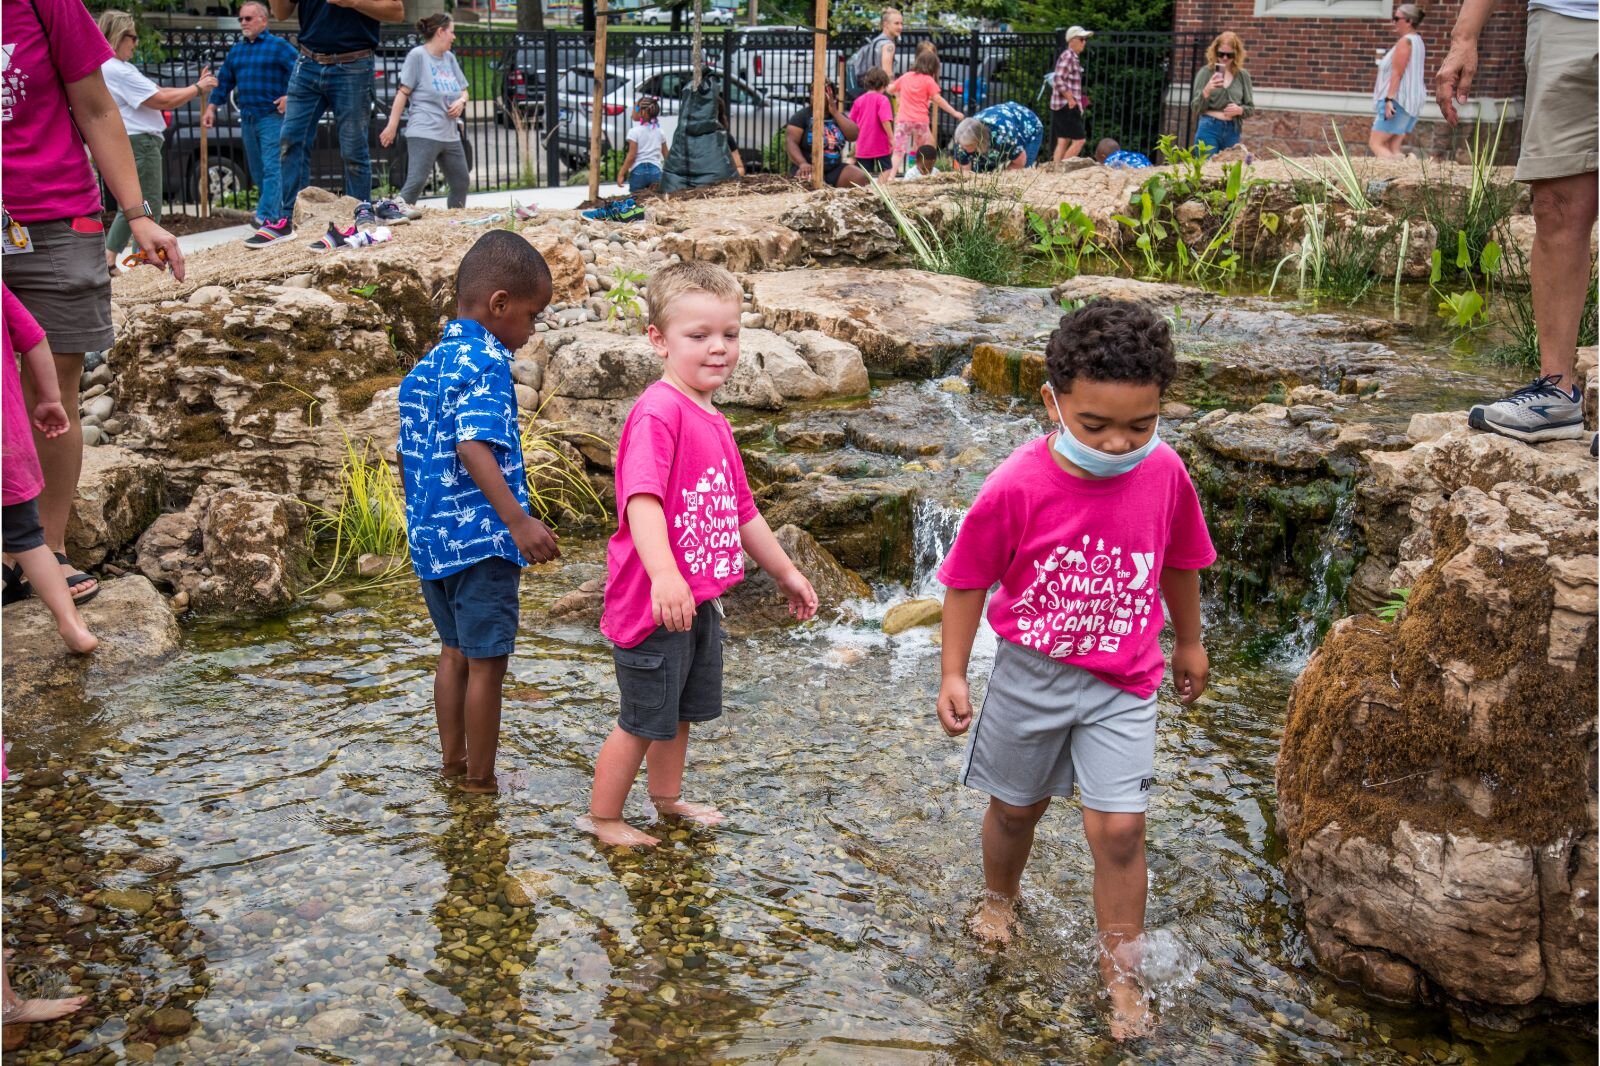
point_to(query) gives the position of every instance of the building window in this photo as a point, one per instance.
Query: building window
(1327, 9)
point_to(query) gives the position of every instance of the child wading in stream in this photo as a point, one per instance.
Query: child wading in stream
(467, 517)
(1086, 530)
(685, 519)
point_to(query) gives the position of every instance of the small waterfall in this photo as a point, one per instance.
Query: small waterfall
(933, 530)
(1322, 598)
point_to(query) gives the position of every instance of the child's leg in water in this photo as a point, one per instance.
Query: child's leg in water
(1007, 842)
(665, 781)
(44, 574)
(1116, 841)
(485, 679)
(450, 709)
(614, 770)
(14, 1010)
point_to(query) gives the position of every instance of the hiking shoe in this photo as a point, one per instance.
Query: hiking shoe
(334, 238)
(598, 214)
(627, 211)
(1535, 413)
(365, 216)
(270, 233)
(390, 212)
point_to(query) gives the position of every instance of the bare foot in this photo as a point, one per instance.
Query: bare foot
(41, 1010)
(615, 831)
(995, 920)
(703, 813)
(77, 637)
(479, 786)
(1130, 1015)
(458, 768)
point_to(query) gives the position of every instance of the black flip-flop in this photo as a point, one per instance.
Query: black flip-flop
(16, 587)
(80, 578)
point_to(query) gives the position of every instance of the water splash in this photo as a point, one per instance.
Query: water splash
(933, 530)
(1322, 598)
(1168, 965)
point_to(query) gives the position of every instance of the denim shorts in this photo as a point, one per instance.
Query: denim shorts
(669, 677)
(1402, 123)
(1216, 132)
(476, 610)
(643, 176)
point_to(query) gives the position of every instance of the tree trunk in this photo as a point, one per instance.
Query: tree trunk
(588, 16)
(530, 15)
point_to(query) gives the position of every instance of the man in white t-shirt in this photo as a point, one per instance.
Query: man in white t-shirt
(1560, 142)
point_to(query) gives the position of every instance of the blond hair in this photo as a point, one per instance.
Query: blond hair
(116, 25)
(1231, 40)
(672, 284)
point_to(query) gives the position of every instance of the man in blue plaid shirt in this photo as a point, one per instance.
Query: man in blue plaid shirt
(257, 69)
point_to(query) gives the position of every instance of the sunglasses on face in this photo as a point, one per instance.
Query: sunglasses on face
(1224, 55)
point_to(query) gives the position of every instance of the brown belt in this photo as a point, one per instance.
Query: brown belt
(335, 58)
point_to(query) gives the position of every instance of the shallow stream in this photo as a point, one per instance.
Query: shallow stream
(278, 860)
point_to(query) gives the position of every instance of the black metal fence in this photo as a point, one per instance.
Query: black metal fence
(530, 118)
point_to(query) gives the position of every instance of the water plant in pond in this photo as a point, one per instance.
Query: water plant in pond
(369, 517)
(1065, 238)
(1464, 308)
(1179, 204)
(1485, 204)
(1336, 175)
(965, 244)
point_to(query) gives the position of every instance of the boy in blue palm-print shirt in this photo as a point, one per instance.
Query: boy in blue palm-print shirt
(467, 517)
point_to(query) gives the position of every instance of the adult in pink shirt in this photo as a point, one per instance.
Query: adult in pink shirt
(55, 104)
(873, 114)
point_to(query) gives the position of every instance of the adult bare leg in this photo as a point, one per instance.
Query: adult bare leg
(1558, 271)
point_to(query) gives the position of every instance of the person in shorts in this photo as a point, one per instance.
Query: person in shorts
(467, 520)
(685, 520)
(1560, 143)
(1067, 102)
(837, 128)
(1086, 530)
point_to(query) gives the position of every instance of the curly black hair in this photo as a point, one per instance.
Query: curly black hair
(1111, 340)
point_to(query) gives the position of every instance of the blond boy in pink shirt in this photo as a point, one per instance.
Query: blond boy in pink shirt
(686, 518)
(1085, 531)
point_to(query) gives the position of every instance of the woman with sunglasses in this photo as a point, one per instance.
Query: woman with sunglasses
(1222, 95)
(1399, 92)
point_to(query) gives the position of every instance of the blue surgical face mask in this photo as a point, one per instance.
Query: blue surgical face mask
(1097, 463)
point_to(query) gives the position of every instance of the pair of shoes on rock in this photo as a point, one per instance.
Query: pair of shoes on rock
(270, 233)
(625, 210)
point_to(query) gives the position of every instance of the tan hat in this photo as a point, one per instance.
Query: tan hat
(1078, 31)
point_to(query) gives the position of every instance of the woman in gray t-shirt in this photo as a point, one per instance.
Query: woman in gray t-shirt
(435, 86)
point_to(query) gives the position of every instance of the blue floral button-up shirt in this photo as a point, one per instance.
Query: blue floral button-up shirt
(1012, 129)
(462, 390)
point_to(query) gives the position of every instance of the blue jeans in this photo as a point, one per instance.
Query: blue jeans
(313, 89)
(1216, 132)
(262, 134)
(643, 176)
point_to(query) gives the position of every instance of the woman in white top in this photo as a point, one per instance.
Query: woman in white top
(1399, 92)
(141, 102)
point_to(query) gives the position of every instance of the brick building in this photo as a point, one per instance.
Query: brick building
(1312, 63)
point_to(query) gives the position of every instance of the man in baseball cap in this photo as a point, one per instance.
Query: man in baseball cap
(1067, 101)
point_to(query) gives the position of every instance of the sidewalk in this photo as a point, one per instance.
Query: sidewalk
(563, 198)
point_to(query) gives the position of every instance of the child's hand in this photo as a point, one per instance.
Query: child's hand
(1190, 669)
(535, 541)
(672, 604)
(50, 418)
(955, 705)
(802, 597)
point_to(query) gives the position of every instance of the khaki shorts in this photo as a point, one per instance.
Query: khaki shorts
(1560, 114)
(64, 284)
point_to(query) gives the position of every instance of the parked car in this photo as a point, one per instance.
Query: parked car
(753, 116)
(710, 16)
(520, 72)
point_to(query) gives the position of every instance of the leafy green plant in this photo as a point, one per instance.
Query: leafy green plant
(1336, 174)
(1392, 608)
(1158, 202)
(1486, 202)
(964, 244)
(1148, 230)
(369, 517)
(623, 296)
(775, 156)
(1067, 238)
(1463, 308)
(557, 483)
(364, 291)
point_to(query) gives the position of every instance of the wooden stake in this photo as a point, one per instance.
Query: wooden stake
(205, 164)
(597, 115)
(819, 75)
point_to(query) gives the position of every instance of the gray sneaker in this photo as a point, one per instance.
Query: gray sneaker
(1535, 413)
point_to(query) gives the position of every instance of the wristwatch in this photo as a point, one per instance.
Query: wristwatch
(141, 210)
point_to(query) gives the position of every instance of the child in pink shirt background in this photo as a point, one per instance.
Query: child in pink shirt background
(874, 115)
(34, 568)
(917, 89)
(685, 519)
(1085, 531)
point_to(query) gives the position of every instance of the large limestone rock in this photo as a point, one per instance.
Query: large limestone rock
(237, 552)
(907, 323)
(137, 634)
(566, 265)
(1437, 776)
(838, 363)
(740, 246)
(757, 603)
(119, 494)
(845, 225)
(265, 386)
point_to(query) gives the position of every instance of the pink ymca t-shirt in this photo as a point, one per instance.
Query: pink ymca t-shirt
(916, 92)
(684, 455)
(47, 173)
(1079, 560)
(870, 112)
(20, 477)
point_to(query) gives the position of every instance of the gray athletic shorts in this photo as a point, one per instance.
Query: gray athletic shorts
(1046, 725)
(669, 677)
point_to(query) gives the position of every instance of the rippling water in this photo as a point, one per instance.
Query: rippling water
(274, 792)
